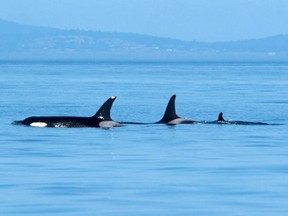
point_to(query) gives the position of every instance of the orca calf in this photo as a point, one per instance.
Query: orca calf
(221, 120)
(170, 117)
(101, 119)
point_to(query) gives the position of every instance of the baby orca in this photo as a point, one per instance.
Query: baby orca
(101, 119)
(221, 120)
(170, 117)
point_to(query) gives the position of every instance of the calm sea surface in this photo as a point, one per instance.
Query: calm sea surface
(144, 169)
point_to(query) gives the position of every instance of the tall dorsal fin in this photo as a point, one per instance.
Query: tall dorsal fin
(170, 113)
(104, 111)
(220, 117)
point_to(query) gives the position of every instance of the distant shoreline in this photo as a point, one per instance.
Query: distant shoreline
(29, 43)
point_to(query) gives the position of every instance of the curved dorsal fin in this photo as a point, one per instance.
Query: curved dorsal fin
(220, 117)
(170, 113)
(104, 111)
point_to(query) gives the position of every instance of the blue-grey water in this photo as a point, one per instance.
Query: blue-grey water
(197, 169)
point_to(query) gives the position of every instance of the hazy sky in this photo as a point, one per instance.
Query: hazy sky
(201, 20)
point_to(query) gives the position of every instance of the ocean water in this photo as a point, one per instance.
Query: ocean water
(197, 169)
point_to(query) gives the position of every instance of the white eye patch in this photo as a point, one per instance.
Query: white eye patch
(38, 124)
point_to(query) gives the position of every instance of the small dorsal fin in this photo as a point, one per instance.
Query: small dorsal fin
(104, 111)
(170, 113)
(220, 117)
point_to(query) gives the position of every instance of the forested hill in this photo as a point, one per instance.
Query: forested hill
(19, 41)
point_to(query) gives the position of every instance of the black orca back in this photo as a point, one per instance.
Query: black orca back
(102, 119)
(222, 121)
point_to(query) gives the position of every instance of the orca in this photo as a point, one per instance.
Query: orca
(221, 120)
(170, 117)
(101, 119)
